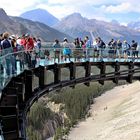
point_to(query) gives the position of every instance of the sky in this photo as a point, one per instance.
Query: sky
(124, 11)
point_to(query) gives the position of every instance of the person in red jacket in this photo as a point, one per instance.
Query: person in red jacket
(29, 46)
(23, 41)
(29, 43)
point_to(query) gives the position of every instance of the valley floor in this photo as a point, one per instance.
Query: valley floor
(114, 116)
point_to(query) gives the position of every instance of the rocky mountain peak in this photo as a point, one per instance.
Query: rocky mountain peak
(3, 15)
(40, 15)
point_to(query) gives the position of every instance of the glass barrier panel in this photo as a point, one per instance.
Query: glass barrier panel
(13, 63)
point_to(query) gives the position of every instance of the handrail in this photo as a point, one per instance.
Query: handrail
(45, 58)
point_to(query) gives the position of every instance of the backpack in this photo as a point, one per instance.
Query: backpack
(103, 45)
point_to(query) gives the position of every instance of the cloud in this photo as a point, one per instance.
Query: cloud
(99, 9)
(16, 7)
(123, 7)
(57, 10)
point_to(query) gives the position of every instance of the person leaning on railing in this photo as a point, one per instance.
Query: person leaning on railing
(7, 52)
(57, 50)
(112, 49)
(119, 49)
(37, 46)
(134, 46)
(66, 49)
(28, 49)
(88, 46)
(77, 50)
(126, 49)
(21, 53)
(14, 46)
(83, 48)
(101, 45)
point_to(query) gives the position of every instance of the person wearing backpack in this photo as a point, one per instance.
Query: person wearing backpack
(126, 49)
(134, 46)
(57, 50)
(119, 49)
(101, 45)
(7, 52)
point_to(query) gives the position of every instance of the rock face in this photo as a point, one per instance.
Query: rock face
(41, 30)
(16, 25)
(7, 24)
(77, 26)
(3, 16)
(56, 121)
(40, 15)
(51, 126)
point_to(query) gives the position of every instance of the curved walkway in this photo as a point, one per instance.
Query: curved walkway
(114, 116)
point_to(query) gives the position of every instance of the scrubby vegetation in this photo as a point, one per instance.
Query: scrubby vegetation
(36, 118)
(75, 104)
(78, 100)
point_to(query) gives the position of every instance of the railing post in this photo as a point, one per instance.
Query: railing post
(102, 72)
(57, 73)
(87, 71)
(131, 72)
(41, 76)
(28, 84)
(117, 73)
(72, 69)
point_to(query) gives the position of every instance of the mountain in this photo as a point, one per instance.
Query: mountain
(115, 22)
(40, 15)
(77, 26)
(41, 30)
(134, 25)
(17, 25)
(7, 24)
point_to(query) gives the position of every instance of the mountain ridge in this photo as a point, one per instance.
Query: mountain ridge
(134, 25)
(78, 26)
(40, 15)
(19, 26)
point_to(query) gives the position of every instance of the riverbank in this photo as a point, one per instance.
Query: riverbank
(114, 116)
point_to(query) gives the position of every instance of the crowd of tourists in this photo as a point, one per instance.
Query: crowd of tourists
(21, 48)
(27, 50)
(99, 49)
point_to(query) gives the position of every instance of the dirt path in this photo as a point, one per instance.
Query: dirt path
(114, 116)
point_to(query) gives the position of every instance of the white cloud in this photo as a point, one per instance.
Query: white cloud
(16, 7)
(60, 8)
(123, 7)
(56, 10)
